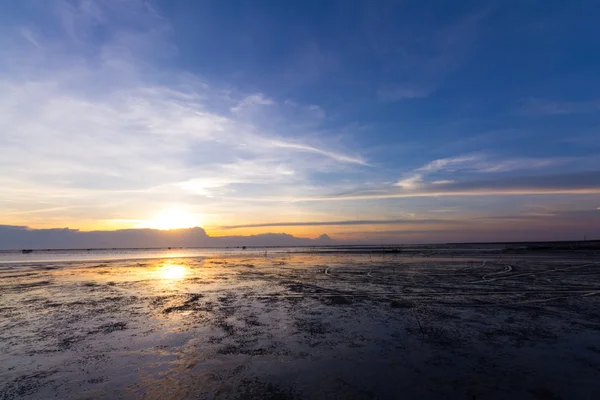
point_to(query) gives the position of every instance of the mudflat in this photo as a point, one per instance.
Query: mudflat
(294, 326)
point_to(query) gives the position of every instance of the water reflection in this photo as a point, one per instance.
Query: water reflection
(172, 271)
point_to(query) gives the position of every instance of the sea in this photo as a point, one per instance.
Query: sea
(82, 255)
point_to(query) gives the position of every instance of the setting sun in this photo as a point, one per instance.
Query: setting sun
(174, 218)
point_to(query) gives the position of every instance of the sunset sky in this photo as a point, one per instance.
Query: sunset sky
(390, 121)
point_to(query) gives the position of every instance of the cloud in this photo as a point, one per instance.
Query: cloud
(101, 126)
(338, 223)
(416, 178)
(561, 224)
(205, 186)
(519, 164)
(481, 164)
(30, 36)
(89, 129)
(411, 182)
(218, 179)
(470, 164)
(450, 163)
(329, 154)
(571, 183)
(252, 101)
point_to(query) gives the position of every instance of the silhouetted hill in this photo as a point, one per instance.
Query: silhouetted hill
(21, 237)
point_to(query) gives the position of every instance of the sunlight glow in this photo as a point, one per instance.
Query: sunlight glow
(174, 218)
(171, 271)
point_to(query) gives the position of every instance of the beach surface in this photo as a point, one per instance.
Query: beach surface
(293, 325)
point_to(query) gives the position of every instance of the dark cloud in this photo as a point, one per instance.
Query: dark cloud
(18, 237)
(340, 223)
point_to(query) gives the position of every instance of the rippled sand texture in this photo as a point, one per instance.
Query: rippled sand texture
(302, 326)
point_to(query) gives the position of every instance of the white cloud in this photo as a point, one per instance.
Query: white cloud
(204, 186)
(479, 163)
(416, 179)
(215, 180)
(449, 163)
(103, 138)
(329, 154)
(252, 101)
(471, 164)
(411, 182)
(518, 164)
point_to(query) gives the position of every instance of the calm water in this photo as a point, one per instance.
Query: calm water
(48, 256)
(44, 256)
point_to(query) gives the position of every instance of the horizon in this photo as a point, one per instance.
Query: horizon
(197, 237)
(379, 123)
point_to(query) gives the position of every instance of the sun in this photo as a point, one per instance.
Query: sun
(173, 218)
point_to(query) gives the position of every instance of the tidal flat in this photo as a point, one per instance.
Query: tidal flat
(484, 325)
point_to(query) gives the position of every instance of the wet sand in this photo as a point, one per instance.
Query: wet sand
(293, 326)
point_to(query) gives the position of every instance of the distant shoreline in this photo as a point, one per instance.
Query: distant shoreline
(558, 244)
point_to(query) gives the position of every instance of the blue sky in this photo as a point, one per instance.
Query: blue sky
(434, 120)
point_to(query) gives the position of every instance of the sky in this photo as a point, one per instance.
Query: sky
(369, 121)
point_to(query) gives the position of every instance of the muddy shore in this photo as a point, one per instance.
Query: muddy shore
(357, 326)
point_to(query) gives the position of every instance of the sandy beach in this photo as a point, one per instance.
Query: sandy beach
(303, 325)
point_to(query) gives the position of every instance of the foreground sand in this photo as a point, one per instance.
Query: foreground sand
(357, 326)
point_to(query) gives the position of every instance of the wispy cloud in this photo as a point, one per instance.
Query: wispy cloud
(415, 179)
(30, 36)
(101, 123)
(411, 182)
(473, 163)
(451, 163)
(573, 183)
(87, 125)
(252, 101)
(339, 223)
(329, 154)
(466, 220)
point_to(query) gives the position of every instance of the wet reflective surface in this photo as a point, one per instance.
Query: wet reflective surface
(302, 326)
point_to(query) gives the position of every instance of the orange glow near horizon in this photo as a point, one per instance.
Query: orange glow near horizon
(173, 218)
(180, 216)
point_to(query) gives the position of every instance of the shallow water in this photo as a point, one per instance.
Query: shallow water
(301, 325)
(80, 255)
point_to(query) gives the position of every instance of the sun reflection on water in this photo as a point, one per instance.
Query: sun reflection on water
(172, 271)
